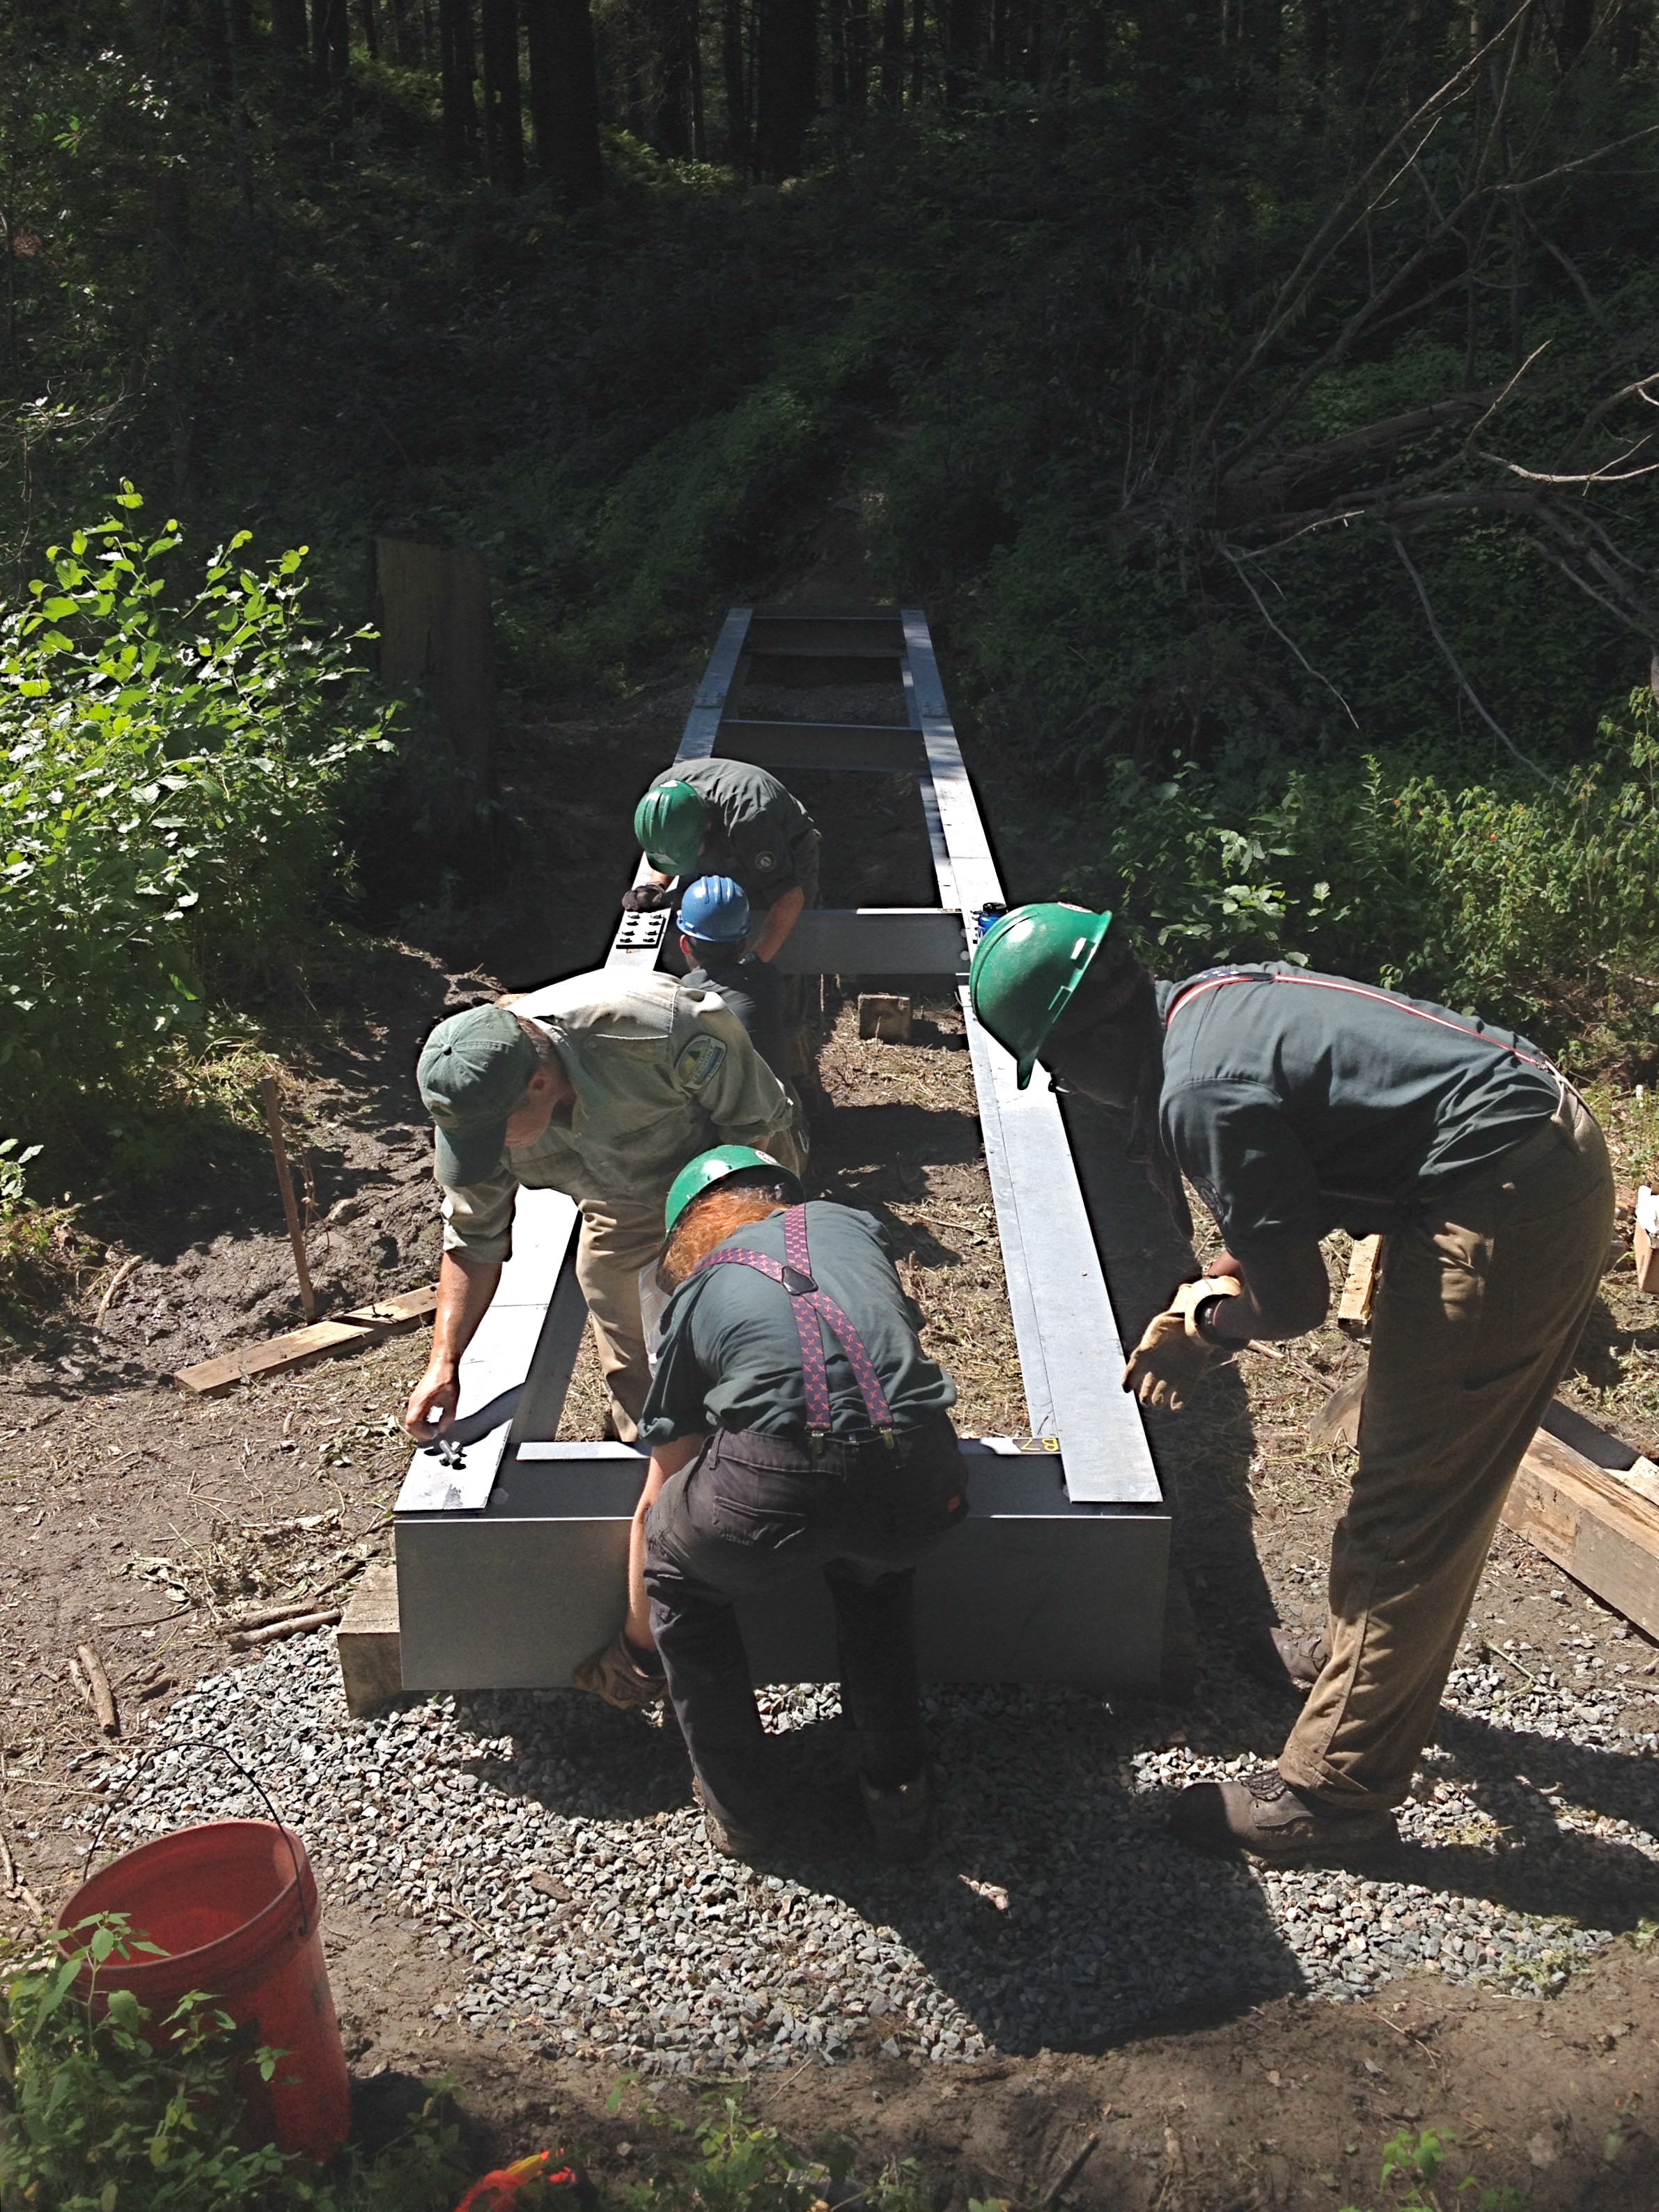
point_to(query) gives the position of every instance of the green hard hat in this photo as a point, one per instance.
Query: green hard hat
(708, 1167)
(669, 822)
(1026, 967)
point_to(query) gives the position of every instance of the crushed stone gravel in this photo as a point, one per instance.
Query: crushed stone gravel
(549, 1846)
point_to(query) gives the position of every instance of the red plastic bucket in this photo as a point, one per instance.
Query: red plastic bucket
(233, 1905)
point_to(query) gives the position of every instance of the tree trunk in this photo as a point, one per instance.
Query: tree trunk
(331, 43)
(739, 142)
(564, 95)
(788, 37)
(676, 44)
(892, 54)
(962, 48)
(437, 651)
(1362, 49)
(371, 31)
(858, 55)
(216, 47)
(288, 30)
(459, 66)
(918, 48)
(503, 120)
(1574, 24)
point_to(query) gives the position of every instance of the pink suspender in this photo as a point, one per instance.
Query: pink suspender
(810, 1306)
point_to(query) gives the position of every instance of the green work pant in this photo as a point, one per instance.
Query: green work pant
(1476, 1317)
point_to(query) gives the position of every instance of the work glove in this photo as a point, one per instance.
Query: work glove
(1171, 1356)
(617, 1675)
(647, 898)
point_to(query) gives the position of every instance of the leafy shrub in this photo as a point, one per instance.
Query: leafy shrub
(170, 772)
(1497, 892)
(102, 2107)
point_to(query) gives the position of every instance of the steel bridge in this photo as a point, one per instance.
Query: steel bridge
(511, 1548)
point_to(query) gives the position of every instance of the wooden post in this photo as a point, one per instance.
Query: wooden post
(271, 1094)
(437, 641)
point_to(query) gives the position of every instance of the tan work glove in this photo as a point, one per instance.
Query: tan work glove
(1172, 1355)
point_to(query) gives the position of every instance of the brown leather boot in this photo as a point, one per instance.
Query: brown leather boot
(1286, 1661)
(1262, 1814)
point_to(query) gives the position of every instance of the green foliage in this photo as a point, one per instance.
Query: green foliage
(1491, 891)
(1411, 2165)
(103, 2109)
(171, 771)
(743, 2165)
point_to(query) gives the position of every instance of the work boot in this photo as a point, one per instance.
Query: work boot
(727, 1835)
(1286, 1662)
(619, 1675)
(900, 1816)
(1262, 1814)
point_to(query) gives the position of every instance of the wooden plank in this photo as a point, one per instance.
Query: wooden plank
(1353, 1308)
(371, 1661)
(1583, 1518)
(211, 1378)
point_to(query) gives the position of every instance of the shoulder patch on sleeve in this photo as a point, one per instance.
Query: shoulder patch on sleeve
(765, 859)
(699, 1061)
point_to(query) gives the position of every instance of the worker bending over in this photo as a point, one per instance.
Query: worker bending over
(725, 817)
(795, 1424)
(1296, 1104)
(714, 926)
(603, 1086)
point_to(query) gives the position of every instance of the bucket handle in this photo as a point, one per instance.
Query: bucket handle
(254, 1781)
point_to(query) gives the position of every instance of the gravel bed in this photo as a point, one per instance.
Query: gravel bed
(549, 1847)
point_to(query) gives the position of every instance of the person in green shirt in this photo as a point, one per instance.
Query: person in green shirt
(603, 1086)
(1296, 1104)
(726, 818)
(796, 1427)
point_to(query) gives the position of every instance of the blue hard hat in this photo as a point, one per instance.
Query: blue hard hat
(713, 911)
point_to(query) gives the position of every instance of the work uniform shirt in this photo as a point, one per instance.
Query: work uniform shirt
(661, 1072)
(1298, 1104)
(730, 1354)
(758, 832)
(756, 993)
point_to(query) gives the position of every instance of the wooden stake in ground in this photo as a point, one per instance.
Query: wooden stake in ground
(270, 1092)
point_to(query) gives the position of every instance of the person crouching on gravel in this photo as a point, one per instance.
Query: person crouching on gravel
(795, 1424)
(1295, 1104)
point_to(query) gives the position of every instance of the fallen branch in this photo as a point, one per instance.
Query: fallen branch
(1052, 2195)
(278, 1629)
(102, 1696)
(116, 1281)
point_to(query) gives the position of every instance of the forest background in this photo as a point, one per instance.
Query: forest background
(1261, 398)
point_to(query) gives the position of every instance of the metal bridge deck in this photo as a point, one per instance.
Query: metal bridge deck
(511, 1548)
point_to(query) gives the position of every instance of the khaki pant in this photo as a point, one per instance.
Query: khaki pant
(617, 1239)
(1476, 1317)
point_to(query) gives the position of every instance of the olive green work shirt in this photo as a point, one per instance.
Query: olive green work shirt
(729, 1355)
(1297, 1103)
(759, 834)
(661, 1072)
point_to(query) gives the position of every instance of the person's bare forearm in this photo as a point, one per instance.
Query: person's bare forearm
(665, 1461)
(465, 1288)
(781, 918)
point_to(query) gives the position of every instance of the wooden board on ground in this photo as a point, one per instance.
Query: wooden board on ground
(1591, 1523)
(360, 1325)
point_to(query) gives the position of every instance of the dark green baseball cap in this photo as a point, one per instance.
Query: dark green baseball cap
(473, 1070)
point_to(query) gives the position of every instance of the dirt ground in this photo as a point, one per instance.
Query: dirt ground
(141, 1517)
